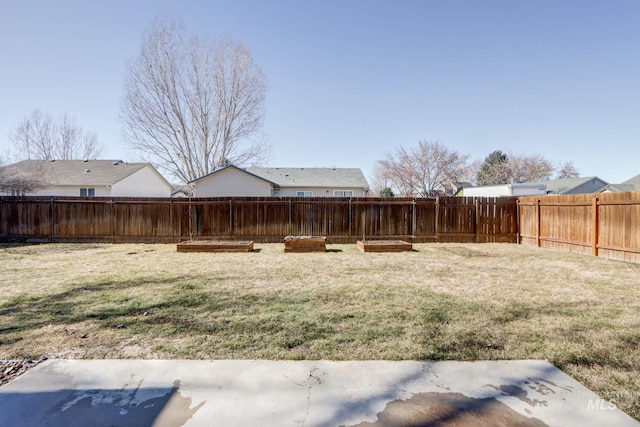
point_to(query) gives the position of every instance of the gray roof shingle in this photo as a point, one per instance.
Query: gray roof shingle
(312, 177)
(304, 177)
(77, 172)
(560, 186)
(633, 183)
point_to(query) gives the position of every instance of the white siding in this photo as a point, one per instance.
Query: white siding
(317, 191)
(232, 182)
(505, 190)
(142, 183)
(529, 191)
(488, 191)
(70, 191)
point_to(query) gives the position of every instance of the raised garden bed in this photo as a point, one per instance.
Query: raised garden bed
(384, 246)
(305, 244)
(216, 246)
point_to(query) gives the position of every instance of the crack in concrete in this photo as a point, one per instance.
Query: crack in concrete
(312, 379)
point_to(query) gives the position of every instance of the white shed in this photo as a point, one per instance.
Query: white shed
(506, 190)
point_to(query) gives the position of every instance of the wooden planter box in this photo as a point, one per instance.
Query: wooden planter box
(305, 244)
(384, 246)
(216, 246)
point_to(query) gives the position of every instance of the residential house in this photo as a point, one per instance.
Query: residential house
(632, 184)
(89, 178)
(585, 185)
(281, 182)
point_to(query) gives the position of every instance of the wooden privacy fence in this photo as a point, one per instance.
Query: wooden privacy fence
(606, 224)
(341, 220)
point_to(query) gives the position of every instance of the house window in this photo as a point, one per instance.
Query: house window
(304, 193)
(87, 192)
(342, 193)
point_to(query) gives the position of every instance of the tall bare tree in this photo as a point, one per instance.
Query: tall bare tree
(531, 168)
(191, 104)
(40, 137)
(423, 171)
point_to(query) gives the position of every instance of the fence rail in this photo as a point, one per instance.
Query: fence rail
(341, 220)
(606, 225)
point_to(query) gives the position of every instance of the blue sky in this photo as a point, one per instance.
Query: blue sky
(351, 80)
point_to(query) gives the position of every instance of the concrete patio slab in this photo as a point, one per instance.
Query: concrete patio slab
(304, 394)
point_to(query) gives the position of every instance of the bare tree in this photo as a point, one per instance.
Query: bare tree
(423, 171)
(500, 168)
(191, 104)
(533, 168)
(40, 137)
(74, 142)
(17, 181)
(567, 170)
(378, 182)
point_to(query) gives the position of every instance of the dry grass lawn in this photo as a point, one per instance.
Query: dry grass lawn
(439, 302)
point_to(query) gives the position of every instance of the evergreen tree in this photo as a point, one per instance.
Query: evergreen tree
(494, 170)
(386, 192)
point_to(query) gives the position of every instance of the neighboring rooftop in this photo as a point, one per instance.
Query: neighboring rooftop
(311, 177)
(77, 172)
(303, 177)
(590, 184)
(632, 184)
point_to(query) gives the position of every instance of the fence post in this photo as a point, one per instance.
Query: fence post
(230, 218)
(595, 226)
(111, 220)
(190, 219)
(477, 213)
(628, 230)
(350, 221)
(538, 223)
(414, 221)
(53, 225)
(290, 231)
(518, 222)
(437, 227)
(364, 225)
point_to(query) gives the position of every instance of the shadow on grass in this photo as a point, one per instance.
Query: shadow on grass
(104, 300)
(186, 307)
(322, 324)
